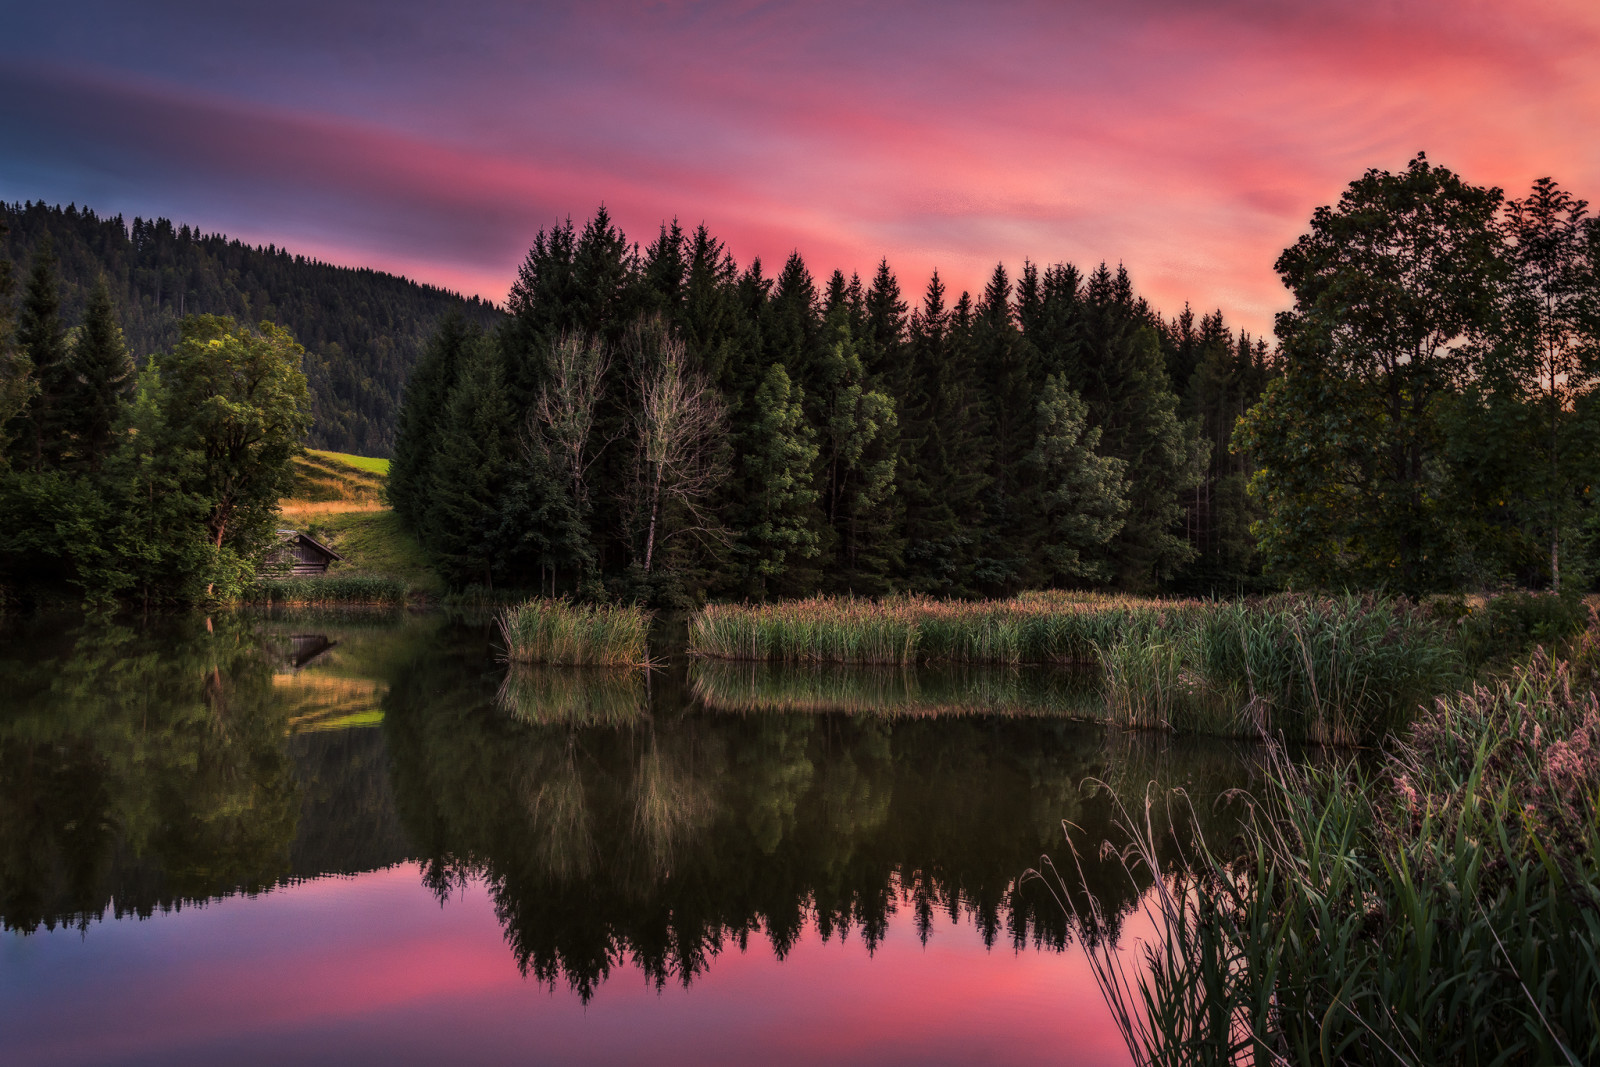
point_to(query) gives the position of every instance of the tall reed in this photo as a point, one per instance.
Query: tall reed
(1443, 908)
(1034, 628)
(562, 633)
(1330, 670)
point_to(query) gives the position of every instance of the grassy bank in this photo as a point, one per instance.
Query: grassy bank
(563, 633)
(1441, 908)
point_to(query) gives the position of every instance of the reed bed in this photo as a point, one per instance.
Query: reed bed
(562, 633)
(1328, 670)
(1443, 907)
(357, 589)
(601, 698)
(1034, 628)
(896, 692)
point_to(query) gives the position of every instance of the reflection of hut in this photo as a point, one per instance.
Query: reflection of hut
(301, 555)
(303, 648)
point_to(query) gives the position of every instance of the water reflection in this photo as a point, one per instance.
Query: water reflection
(634, 819)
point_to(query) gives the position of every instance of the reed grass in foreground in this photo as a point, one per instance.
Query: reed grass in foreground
(561, 633)
(1443, 908)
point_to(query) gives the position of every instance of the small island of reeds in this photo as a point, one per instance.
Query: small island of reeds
(1342, 670)
(567, 634)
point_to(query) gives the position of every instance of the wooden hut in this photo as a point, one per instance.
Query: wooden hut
(301, 555)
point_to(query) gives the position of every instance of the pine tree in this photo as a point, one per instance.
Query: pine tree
(777, 533)
(410, 483)
(469, 472)
(42, 338)
(944, 477)
(1006, 372)
(858, 456)
(102, 379)
(16, 377)
(1083, 494)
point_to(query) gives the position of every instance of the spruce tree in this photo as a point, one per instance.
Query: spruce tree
(102, 379)
(410, 482)
(777, 533)
(469, 472)
(858, 455)
(1083, 495)
(43, 340)
(16, 378)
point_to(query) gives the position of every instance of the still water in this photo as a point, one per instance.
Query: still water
(345, 838)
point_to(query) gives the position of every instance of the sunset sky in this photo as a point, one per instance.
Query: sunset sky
(1190, 141)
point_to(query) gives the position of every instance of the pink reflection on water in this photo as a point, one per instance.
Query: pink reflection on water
(358, 969)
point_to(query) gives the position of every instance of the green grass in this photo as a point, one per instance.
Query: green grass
(370, 464)
(374, 543)
(1443, 907)
(562, 633)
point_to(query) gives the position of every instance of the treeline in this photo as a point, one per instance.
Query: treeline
(158, 484)
(661, 423)
(1436, 425)
(363, 329)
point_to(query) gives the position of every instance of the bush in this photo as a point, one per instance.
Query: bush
(1509, 626)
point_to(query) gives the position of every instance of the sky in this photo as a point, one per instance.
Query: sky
(1189, 141)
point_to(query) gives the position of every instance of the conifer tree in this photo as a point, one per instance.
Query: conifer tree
(858, 459)
(43, 340)
(1083, 494)
(16, 378)
(468, 475)
(410, 481)
(102, 379)
(777, 532)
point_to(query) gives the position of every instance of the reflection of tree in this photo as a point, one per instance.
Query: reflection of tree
(146, 769)
(662, 837)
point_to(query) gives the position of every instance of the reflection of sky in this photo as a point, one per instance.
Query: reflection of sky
(1190, 140)
(372, 969)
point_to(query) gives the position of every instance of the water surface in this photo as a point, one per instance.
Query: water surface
(325, 838)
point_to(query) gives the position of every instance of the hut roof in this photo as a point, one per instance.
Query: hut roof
(296, 537)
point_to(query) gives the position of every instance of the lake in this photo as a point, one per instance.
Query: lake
(352, 837)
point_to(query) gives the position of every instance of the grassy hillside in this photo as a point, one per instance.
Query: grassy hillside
(339, 499)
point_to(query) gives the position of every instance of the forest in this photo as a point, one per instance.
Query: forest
(662, 424)
(659, 423)
(362, 329)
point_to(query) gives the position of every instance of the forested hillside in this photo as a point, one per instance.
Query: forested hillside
(362, 329)
(664, 423)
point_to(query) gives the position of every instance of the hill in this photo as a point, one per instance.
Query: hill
(339, 499)
(363, 330)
